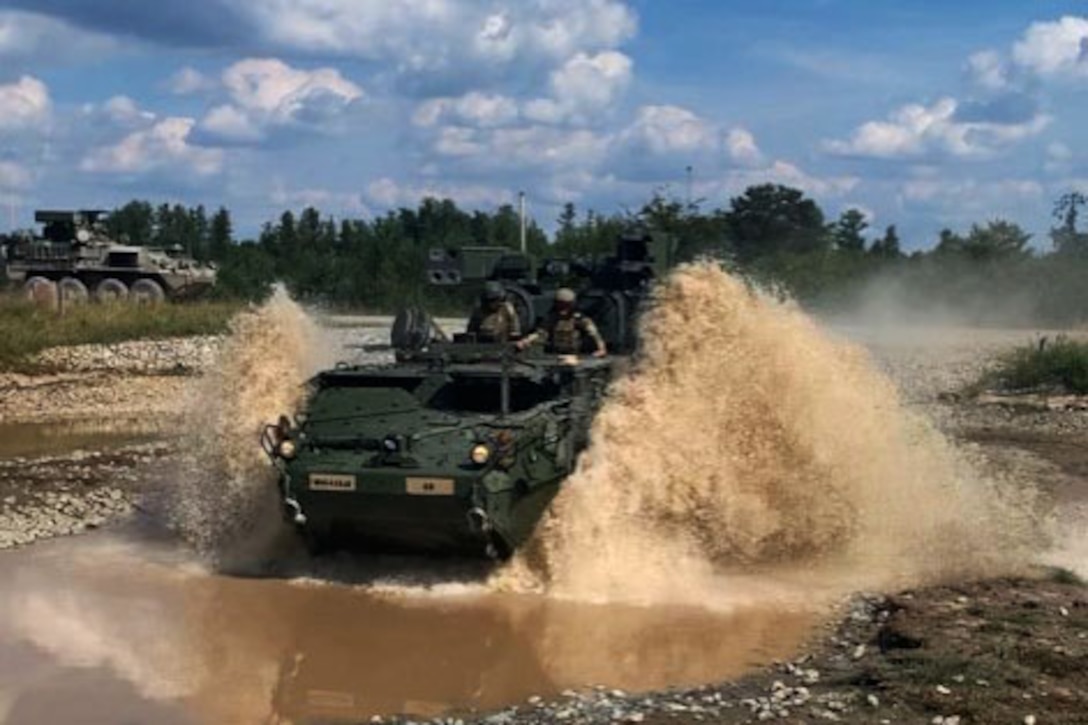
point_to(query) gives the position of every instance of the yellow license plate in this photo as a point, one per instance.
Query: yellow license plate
(429, 486)
(331, 482)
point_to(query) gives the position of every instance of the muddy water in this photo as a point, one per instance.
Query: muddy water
(108, 629)
(32, 440)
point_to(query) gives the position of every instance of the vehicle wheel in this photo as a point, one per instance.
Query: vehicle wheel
(73, 291)
(111, 290)
(41, 290)
(147, 292)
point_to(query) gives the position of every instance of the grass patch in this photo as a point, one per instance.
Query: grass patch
(27, 328)
(1061, 575)
(1059, 363)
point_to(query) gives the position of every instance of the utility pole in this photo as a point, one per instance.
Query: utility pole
(690, 184)
(521, 219)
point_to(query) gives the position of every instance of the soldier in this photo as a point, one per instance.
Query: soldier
(495, 319)
(564, 329)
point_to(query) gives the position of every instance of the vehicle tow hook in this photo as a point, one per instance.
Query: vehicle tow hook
(298, 517)
(478, 520)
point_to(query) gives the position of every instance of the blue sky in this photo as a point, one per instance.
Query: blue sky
(922, 114)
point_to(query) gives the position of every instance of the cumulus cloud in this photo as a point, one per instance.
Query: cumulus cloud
(266, 94)
(788, 174)
(422, 35)
(165, 145)
(1054, 48)
(474, 109)
(673, 136)
(24, 104)
(584, 86)
(582, 89)
(189, 80)
(988, 71)
(916, 130)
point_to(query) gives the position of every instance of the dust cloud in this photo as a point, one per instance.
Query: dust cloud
(224, 500)
(750, 455)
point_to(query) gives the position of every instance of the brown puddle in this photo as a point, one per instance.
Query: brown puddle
(32, 440)
(98, 629)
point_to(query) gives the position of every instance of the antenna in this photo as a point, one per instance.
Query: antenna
(521, 218)
(690, 174)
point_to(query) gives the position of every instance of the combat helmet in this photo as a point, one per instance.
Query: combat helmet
(493, 292)
(565, 295)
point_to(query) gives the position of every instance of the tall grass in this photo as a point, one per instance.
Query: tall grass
(1057, 364)
(27, 328)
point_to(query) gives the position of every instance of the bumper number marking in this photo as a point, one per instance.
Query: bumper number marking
(331, 482)
(429, 486)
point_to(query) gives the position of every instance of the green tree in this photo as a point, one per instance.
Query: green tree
(887, 247)
(221, 234)
(772, 218)
(848, 233)
(1067, 239)
(134, 223)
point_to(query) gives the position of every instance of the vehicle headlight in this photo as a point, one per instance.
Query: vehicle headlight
(480, 454)
(287, 449)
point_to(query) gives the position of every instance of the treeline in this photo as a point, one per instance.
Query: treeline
(991, 272)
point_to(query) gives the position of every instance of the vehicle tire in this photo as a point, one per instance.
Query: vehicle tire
(73, 291)
(411, 331)
(147, 292)
(41, 290)
(111, 290)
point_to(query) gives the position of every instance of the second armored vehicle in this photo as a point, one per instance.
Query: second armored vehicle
(459, 446)
(75, 257)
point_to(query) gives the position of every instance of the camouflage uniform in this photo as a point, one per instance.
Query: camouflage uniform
(564, 335)
(495, 323)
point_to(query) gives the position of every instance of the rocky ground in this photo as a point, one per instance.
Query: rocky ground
(1005, 651)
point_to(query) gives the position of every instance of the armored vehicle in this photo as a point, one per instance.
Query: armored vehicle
(75, 256)
(460, 445)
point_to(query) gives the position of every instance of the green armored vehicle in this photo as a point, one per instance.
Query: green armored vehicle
(459, 446)
(75, 256)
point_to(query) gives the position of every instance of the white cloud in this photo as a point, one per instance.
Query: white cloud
(788, 174)
(474, 109)
(585, 85)
(163, 145)
(742, 147)
(266, 93)
(988, 71)
(1054, 48)
(14, 176)
(230, 122)
(124, 110)
(546, 147)
(188, 80)
(670, 131)
(420, 36)
(915, 130)
(24, 104)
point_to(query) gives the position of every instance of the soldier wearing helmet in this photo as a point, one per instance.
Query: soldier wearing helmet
(494, 319)
(564, 329)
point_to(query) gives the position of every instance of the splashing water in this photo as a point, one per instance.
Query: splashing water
(748, 445)
(224, 502)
